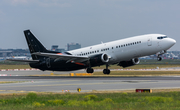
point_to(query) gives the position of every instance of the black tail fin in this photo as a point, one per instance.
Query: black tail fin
(34, 44)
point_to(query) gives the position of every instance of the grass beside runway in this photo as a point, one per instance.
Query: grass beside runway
(5, 82)
(138, 73)
(15, 67)
(104, 101)
(149, 66)
(113, 73)
(122, 73)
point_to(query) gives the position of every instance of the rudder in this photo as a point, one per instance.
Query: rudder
(34, 44)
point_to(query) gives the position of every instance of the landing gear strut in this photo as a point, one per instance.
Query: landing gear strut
(89, 69)
(106, 71)
(160, 53)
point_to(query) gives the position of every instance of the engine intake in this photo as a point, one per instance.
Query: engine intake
(132, 62)
(99, 59)
(104, 58)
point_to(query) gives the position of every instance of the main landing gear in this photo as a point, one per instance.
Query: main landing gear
(105, 71)
(90, 70)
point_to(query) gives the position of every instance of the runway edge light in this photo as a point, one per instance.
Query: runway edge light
(143, 91)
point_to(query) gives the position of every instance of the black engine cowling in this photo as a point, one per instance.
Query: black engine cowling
(99, 59)
(132, 62)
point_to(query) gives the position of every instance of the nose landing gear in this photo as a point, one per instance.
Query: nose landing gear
(159, 58)
(161, 53)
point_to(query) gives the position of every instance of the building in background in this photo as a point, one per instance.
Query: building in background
(55, 48)
(73, 46)
(60, 50)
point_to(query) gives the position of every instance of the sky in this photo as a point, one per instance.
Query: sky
(88, 22)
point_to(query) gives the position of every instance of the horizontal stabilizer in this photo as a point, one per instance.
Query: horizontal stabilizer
(29, 61)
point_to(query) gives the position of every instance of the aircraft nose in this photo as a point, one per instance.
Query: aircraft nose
(172, 41)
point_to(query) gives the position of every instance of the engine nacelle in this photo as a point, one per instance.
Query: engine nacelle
(99, 59)
(132, 62)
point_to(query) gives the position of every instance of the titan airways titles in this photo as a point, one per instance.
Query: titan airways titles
(125, 52)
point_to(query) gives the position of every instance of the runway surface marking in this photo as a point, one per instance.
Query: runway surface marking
(102, 83)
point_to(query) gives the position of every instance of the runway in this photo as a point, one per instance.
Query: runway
(86, 83)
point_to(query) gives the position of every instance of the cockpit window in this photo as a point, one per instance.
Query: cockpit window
(162, 37)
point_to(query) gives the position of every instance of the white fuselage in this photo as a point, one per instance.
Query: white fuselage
(126, 49)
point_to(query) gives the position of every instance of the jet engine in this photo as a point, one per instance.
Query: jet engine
(99, 59)
(132, 62)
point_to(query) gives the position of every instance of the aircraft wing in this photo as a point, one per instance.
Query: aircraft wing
(68, 58)
(29, 61)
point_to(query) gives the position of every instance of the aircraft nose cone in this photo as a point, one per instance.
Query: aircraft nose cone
(173, 41)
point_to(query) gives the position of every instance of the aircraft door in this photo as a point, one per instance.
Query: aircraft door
(159, 44)
(149, 42)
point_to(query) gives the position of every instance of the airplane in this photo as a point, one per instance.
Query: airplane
(20, 57)
(124, 52)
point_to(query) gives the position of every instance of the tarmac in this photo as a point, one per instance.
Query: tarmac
(59, 84)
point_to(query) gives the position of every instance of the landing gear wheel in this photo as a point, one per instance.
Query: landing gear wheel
(90, 70)
(159, 58)
(106, 71)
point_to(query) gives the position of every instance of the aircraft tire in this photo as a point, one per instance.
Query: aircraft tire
(90, 70)
(106, 71)
(159, 58)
